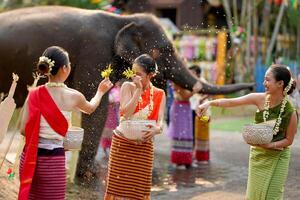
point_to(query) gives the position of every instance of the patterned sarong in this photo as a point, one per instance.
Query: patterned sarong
(202, 140)
(268, 170)
(181, 132)
(130, 170)
(49, 181)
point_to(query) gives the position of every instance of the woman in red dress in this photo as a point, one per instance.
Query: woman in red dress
(131, 161)
(45, 123)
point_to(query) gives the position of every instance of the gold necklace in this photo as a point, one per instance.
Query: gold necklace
(150, 103)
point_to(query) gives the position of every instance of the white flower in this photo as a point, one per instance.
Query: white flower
(266, 113)
(48, 61)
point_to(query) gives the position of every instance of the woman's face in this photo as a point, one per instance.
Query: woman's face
(271, 85)
(141, 72)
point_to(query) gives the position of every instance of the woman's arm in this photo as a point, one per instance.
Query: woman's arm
(89, 107)
(289, 137)
(129, 99)
(249, 99)
(160, 120)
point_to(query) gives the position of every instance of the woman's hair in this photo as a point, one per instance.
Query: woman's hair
(147, 62)
(52, 59)
(282, 73)
(197, 69)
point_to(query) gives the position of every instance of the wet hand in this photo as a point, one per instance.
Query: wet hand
(105, 85)
(201, 109)
(137, 80)
(150, 132)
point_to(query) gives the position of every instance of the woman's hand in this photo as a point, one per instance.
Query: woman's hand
(266, 146)
(104, 85)
(151, 132)
(137, 80)
(201, 109)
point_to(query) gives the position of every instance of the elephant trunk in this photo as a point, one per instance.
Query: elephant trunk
(178, 72)
(226, 89)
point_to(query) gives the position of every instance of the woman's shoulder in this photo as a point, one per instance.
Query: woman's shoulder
(127, 86)
(73, 94)
(258, 96)
(290, 107)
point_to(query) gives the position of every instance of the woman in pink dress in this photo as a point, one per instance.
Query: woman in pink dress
(112, 120)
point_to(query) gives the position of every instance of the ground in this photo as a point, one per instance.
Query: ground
(224, 177)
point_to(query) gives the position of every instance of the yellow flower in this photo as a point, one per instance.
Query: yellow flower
(204, 118)
(106, 73)
(129, 73)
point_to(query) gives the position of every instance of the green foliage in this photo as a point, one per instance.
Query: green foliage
(89, 4)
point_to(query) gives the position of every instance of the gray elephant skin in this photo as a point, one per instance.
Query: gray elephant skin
(93, 39)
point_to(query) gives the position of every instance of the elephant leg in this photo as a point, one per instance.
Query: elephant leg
(93, 125)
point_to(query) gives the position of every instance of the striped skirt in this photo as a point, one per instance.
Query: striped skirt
(129, 170)
(181, 132)
(49, 180)
(268, 170)
(202, 140)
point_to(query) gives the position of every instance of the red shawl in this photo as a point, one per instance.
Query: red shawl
(39, 103)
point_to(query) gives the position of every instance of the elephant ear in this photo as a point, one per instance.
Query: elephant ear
(128, 42)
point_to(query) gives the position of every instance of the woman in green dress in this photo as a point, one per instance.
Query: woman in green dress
(268, 163)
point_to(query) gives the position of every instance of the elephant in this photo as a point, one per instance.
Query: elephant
(93, 39)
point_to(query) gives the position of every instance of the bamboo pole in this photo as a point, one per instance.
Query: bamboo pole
(235, 13)
(248, 42)
(243, 14)
(275, 32)
(255, 34)
(228, 17)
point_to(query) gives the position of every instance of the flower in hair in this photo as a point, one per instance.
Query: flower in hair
(288, 87)
(48, 61)
(106, 73)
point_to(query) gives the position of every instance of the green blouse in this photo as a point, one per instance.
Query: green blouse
(273, 114)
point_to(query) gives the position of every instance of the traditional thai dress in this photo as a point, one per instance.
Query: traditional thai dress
(112, 118)
(268, 168)
(130, 162)
(180, 131)
(201, 139)
(200, 131)
(42, 166)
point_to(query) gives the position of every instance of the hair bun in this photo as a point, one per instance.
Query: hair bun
(43, 67)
